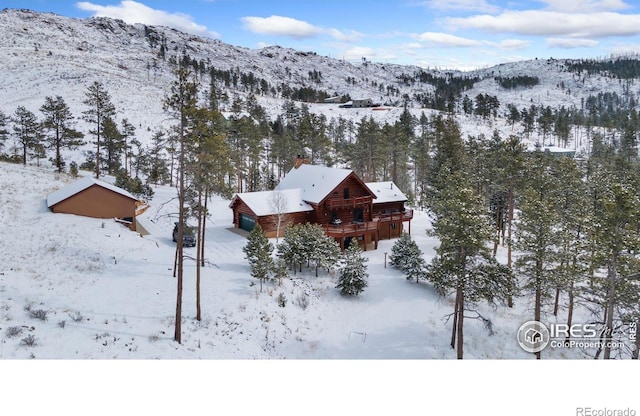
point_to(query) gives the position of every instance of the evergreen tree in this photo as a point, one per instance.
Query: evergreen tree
(181, 104)
(463, 261)
(58, 121)
(408, 258)
(258, 252)
(4, 133)
(537, 235)
(291, 249)
(26, 130)
(353, 272)
(129, 140)
(113, 146)
(157, 170)
(574, 226)
(100, 108)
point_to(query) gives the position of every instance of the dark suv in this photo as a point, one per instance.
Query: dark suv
(188, 237)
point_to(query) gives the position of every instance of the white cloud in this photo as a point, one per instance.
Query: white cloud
(512, 44)
(466, 5)
(547, 23)
(280, 25)
(569, 43)
(584, 6)
(133, 12)
(445, 39)
(294, 28)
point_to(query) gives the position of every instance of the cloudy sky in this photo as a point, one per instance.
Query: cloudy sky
(461, 34)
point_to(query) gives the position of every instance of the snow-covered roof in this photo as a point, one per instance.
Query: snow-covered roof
(386, 192)
(263, 203)
(79, 186)
(315, 182)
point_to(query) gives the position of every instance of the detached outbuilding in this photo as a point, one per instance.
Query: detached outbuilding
(91, 197)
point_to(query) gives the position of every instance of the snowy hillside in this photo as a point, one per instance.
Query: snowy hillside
(46, 54)
(106, 292)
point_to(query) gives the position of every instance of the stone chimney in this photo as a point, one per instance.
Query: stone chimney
(299, 161)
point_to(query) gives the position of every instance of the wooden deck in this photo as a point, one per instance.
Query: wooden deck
(406, 215)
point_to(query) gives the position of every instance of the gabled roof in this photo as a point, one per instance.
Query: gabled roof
(79, 186)
(261, 203)
(315, 182)
(386, 192)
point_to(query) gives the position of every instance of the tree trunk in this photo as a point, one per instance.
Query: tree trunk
(570, 312)
(610, 304)
(509, 261)
(181, 166)
(538, 298)
(556, 302)
(637, 342)
(460, 291)
(454, 329)
(204, 224)
(198, 253)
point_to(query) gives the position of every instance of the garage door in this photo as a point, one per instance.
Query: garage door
(246, 222)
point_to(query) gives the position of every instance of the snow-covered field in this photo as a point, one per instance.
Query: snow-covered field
(109, 293)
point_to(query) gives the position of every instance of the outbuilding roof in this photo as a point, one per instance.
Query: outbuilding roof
(79, 186)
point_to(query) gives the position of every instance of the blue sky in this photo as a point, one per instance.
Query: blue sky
(461, 34)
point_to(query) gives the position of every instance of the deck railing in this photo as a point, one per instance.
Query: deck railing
(351, 229)
(337, 203)
(405, 215)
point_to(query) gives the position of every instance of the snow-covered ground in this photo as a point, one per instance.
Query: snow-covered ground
(109, 293)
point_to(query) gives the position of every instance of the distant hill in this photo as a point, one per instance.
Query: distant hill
(46, 54)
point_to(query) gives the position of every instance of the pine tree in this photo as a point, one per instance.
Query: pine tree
(4, 133)
(113, 146)
(575, 218)
(100, 108)
(537, 235)
(408, 258)
(353, 272)
(463, 261)
(181, 104)
(291, 249)
(59, 121)
(258, 252)
(26, 130)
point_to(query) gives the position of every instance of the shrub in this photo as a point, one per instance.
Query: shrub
(76, 316)
(303, 301)
(38, 314)
(13, 331)
(282, 300)
(29, 341)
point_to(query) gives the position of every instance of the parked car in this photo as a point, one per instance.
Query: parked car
(188, 235)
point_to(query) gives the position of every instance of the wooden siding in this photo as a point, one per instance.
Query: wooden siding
(98, 202)
(267, 222)
(336, 206)
(391, 217)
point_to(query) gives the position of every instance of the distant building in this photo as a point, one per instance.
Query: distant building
(362, 103)
(333, 100)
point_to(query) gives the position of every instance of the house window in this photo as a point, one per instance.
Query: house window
(346, 193)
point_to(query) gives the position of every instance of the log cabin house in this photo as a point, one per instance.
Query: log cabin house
(347, 208)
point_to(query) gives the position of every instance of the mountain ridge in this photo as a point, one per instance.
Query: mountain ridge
(48, 54)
